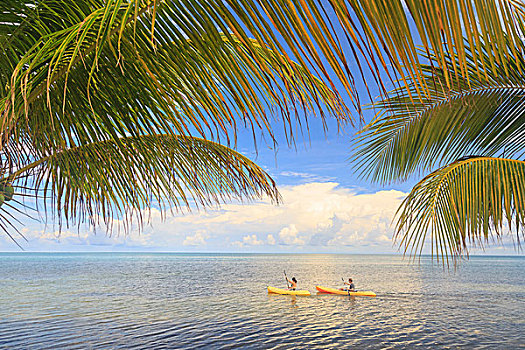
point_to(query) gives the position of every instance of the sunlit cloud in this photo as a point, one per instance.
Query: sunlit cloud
(197, 239)
(313, 217)
(248, 240)
(288, 236)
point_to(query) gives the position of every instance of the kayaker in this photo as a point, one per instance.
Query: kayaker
(293, 283)
(350, 287)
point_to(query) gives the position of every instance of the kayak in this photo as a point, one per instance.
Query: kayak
(303, 293)
(344, 292)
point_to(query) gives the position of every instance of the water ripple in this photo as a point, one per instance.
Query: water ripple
(173, 301)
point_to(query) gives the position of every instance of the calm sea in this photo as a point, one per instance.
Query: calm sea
(131, 300)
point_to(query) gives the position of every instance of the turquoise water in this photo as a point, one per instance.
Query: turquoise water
(108, 301)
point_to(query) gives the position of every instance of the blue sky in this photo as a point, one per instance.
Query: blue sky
(326, 208)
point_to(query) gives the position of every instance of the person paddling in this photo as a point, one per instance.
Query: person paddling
(293, 283)
(351, 287)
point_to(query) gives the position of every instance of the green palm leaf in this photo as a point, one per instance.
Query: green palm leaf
(414, 136)
(182, 70)
(140, 107)
(379, 33)
(468, 202)
(106, 180)
(445, 29)
(104, 98)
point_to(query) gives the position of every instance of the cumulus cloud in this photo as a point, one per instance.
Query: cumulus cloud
(50, 239)
(288, 235)
(318, 216)
(248, 240)
(312, 217)
(199, 238)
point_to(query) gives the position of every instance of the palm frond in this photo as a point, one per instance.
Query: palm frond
(445, 29)
(106, 180)
(103, 99)
(410, 136)
(468, 202)
(164, 103)
(379, 35)
(14, 14)
(181, 69)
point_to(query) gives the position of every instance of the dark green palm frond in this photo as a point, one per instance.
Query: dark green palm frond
(109, 179)
(414, 136)
(445, 29)
(14, 15)
(378, 35)
(188, 79)
(468, 202)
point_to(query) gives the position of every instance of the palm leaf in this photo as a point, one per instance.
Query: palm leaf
(106, 180)
(379, 34)
(472, 118)
(177, 89)
(184, 67)
(142, 105)
(445, 29)
(104, 99)
(468, 202)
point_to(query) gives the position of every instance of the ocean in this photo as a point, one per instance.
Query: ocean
(220, 301)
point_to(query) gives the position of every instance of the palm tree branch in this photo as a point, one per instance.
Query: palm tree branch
(409, 136)
(465, 202)
(106, 180)
(168, 78)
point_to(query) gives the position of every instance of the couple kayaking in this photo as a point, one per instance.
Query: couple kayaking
(348, 289)
(292, 284)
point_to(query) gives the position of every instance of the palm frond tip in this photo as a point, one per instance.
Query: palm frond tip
(464, 203)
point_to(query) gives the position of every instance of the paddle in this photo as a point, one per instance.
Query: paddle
(286, 278)
(348, 289)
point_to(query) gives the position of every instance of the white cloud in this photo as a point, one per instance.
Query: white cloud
(314, 217)
(288, 235)
(248, 241)
(251, 240)
(306, 176)
(199, 238)
(318, 216)
(296, 174)
(50, 239)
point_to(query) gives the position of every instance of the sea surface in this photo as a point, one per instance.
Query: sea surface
(220, 301)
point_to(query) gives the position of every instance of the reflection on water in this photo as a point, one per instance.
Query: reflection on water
(220, 301)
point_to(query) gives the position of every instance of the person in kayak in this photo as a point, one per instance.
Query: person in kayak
(351, 287)
(293, 283)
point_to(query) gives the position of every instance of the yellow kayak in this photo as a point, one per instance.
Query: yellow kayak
(303, 293)
(344, 292)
